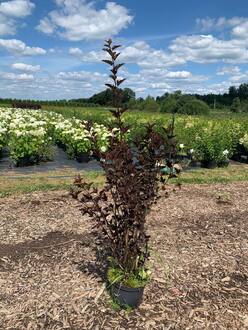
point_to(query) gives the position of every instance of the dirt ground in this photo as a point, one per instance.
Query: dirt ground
(51, 270)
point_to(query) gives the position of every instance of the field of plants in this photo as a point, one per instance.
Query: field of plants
(29, 134)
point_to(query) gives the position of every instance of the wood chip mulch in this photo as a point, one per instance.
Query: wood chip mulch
(52, 271)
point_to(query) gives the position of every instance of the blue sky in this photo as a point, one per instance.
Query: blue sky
(51, 49)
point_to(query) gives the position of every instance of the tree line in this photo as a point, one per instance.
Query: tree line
(236, 99)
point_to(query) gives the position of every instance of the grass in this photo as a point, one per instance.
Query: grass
(232, 173)
(14, 184)
(56, 180)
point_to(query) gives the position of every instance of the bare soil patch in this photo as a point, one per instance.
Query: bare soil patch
(52, 267)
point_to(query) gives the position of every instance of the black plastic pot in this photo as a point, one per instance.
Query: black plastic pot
(224, 163)
(27, 161)
(61, 145)
(127, 297)
(240, 153)
(96, 157)
(236, 157)
(194, 163)
(83, 158)
(181, 158)
(209, 164)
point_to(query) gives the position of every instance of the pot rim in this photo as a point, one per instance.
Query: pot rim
(128, 289)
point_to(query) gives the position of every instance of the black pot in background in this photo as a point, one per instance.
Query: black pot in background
(236, 157)
(27, 161)
(224, 163)
(127, 297)
(181, 158)
(96, 157)
(195, 163)
(209, 164)
(61, 145)
(83, 158)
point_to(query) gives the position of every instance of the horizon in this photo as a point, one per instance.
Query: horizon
(51, 50)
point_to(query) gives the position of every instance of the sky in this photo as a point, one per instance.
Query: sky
(52, 49)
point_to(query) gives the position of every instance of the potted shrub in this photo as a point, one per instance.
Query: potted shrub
(79, 144)
(121, 207)
(3, 131)
(243, 145)
(213, 146)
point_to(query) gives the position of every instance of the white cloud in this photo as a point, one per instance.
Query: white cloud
(208, 24)
(10, 12)
(25, 67)
(241, 31)
(208, 49)
(164, 74)
(145, 56)
(17, 77)
(46, 26)
(90, 57)
(228, 70)
(238, 25)
(75, 51)
(85, 76)
(77, 20)
(179, 74)
(18, 47)
(139, 53)
(7, 26)
(17, 8)
(239, 78)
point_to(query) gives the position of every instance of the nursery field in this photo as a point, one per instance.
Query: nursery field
(206, 137)
(29, 134)
(101, 114)
(30, 137)
(52, 269)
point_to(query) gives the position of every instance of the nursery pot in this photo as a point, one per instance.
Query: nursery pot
(194, 163)
(96, 157)
(61, 145)
(83, 158)
(223, 163)
(127, 297)
(27, 161)
(236, 157)
(181, 157)
(209, 164)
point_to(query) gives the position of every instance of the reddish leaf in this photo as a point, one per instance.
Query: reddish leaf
(116, 46)
(110, 86)
(120, 81)
(108, 62)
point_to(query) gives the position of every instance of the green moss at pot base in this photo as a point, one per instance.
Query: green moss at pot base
(139, 279)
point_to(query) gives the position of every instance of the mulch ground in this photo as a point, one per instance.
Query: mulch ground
(51, 270)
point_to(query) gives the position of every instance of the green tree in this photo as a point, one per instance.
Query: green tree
(128, 95)
(233, 92)
(169, 105)
(194, 107)
(236, 105)
(150, 104)
(243, 91)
